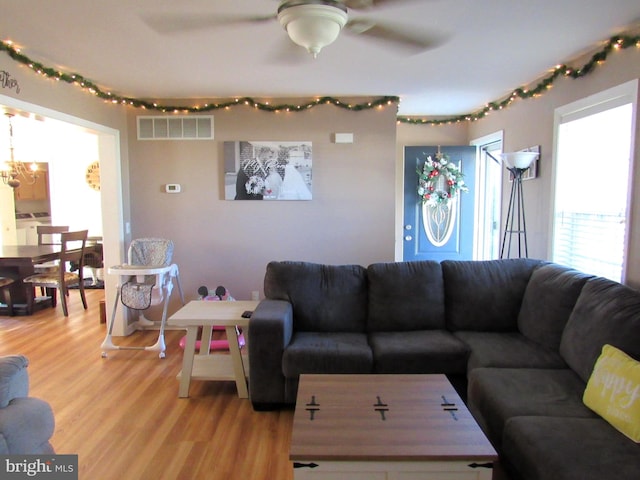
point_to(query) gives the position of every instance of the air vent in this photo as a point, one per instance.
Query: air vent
(184, 127)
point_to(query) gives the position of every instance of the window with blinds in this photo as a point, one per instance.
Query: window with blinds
(592, 182)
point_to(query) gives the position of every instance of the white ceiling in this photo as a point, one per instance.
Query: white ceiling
(491, 47)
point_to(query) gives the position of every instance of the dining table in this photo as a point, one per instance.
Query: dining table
(17, 262)
(37, 253)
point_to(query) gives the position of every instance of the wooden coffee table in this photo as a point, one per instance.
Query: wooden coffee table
(386, 427)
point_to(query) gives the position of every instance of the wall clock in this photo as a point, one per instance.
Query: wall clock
(93, 175)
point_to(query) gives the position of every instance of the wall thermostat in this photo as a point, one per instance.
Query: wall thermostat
(172, 188)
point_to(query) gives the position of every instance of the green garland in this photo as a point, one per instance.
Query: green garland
(618, 42)
(81, 81)
(615, 43)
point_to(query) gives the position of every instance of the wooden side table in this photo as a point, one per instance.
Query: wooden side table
(204, 366)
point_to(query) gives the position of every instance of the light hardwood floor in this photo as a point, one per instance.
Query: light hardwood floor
(122, 415)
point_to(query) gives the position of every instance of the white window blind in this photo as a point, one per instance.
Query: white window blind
(592, 181)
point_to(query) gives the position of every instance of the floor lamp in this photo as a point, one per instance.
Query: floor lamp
(517, 163)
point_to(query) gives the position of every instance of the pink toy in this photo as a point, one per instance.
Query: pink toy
(215, 344)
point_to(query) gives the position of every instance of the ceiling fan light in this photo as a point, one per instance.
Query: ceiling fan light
(313, 26)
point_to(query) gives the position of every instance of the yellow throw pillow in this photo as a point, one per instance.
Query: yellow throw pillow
(613, 391)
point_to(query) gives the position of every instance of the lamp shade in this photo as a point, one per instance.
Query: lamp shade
(520, 160)
(314, 25)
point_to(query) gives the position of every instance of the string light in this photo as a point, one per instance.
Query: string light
(94, 89)
(618, 42)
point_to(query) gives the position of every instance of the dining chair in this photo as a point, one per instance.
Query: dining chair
(48, 235)
(72, 245)
(6, 293)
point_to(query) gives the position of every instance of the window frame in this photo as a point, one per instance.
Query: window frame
(611, 98)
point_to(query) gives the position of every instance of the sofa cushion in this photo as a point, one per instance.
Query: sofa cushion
(485, 295)
(606, 312)
(325, 298)
(405, 296)
(548, 302)
(323, 352)
(26, 425)
(422, 351)
(14, 379)
(613, 391)
(555, 448)
(497, 394)
(508, 350)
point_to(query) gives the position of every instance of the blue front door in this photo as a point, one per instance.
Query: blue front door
(432, 233)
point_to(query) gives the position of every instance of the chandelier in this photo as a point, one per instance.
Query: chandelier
(12, 171)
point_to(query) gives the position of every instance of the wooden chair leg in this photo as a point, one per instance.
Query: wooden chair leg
(30, 294)
(84, 299)
(53, 293)
(6, 293)
(63, 301)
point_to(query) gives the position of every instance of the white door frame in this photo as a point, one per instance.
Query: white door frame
(481, 172)
(111, 192)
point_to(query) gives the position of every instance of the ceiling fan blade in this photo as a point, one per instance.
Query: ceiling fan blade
(395, 35)
(182, 22)
(369, 4)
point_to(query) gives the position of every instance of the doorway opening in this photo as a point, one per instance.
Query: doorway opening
(488, 195)
(111, 209)
(60, 194)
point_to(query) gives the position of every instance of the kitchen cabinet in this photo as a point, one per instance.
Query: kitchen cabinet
(36, 191)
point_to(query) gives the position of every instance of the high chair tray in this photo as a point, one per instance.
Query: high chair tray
(138, 269)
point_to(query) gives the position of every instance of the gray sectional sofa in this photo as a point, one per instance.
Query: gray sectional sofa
(518, 338)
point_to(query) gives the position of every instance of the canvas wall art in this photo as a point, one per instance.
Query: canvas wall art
(268, 170)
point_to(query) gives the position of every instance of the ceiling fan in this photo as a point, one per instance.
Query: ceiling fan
(312, 24)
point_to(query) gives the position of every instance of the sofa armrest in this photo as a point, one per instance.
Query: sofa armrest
(26, 425)
(14, 379)
(270, 331)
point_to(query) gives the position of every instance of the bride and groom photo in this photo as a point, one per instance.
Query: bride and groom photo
(268, 170)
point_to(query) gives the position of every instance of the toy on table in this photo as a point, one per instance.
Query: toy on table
(221, 295)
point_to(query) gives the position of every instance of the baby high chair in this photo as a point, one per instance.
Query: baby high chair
(145, 281)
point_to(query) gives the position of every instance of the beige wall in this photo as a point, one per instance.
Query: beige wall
(530, 122)
(355, 214)
(226, 242)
